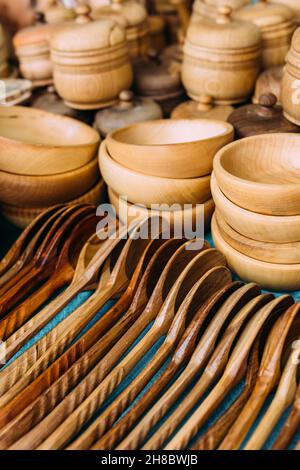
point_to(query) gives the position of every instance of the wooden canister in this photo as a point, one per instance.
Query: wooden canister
(207, 8)
(290, 84)
(293, 5)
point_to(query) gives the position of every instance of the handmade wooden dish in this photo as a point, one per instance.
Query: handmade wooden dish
(126, 211)
(34, 142)
(221, 58)
(278, 253)
(170, 148)
(271, 276)
(261, 173)
(90, 62)
(148, 190)
(276, 22)
(269, 81)
(23, 216)
(204, 109)
(44, 191)
(265, 228)
(290, 82)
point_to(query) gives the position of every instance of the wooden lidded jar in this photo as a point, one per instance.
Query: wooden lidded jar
(221, 58)
(204, 109)
(129, 110)
(90, 62)
(207, 8)
(266, 117)
(132, 16)
(290, 84)
(277, 25)
(57, 13)
(293, 5)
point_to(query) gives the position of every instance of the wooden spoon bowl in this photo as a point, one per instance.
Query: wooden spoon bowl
(271, 276)
(148, 190)
(261, 173)
(172, 149)
(35, 142)
(281, 253)
(265, 228)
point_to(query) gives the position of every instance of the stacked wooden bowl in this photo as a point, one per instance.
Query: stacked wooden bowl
(256, 189)
(162, 162)
(45, 159)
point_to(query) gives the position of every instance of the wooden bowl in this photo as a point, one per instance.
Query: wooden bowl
(271, 276)
(168, 148)
(23, 216)
(44, 191)
(35, 142)
(265, 228)
(279, 253)
(125, 210)
(261, 173)
(143, 189)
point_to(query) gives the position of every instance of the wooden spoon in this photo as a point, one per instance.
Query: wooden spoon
(241, 303)
(62, 276)
(157, 309)
(233, 373)
(203, 289)
(269, 374)
(216, 433)
(47, 401)
(283, 398)
(290, 426)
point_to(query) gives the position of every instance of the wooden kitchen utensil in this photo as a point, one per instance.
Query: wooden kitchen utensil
(269, 81)
(256, 174)
(276, 22)
(277, 277)
(148, 190)
(90, 62)
(234, 371)
(281, 253)
(204, 108)
(268, 377)
(290, 426)
(34, 142)
(169, 148)
(289, 92)
(265, 228)
(266, 117)
(221, 58)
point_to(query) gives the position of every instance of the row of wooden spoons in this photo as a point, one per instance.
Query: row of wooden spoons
(59, 393)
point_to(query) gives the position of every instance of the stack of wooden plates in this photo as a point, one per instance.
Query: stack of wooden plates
(256, 189)
(163, 165)
(45, 159)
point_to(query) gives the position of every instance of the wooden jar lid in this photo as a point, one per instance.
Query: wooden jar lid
(38, 35)
(57, 13)
(153, 75)
(224, 32)
(129, 110)
(205, 108)
(207, 8)
(269, 81)
(127, 13)
(266, 15)
(263, 118)
(293, 5)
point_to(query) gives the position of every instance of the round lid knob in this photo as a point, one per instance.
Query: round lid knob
(267, 100)
(224, 14)
(83, 14)
(126, 96)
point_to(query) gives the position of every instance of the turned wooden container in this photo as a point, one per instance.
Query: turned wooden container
(132, 16)
(90, 62)
(221, 58)
(57, 13)
(207, 8)
(266, 117)
(277, 25)
(205, 108)
(32, 47)
(159, 80)
(129, 110)
(290, 84)
(269, 81)
(293, 5)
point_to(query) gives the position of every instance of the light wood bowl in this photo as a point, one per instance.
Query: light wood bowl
(44, 191)
(125, 210)
(183, 148)
(35, 142)
(143, 189)
(265, 228)
(261, 173)
(279, 253)
(23, 216)
(271, 276)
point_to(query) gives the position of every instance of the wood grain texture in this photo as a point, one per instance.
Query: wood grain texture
(291, 425)
(35, 142)
(170, 149)
(267, 380)
(256, 174)
(205, 109)
(265, 228)
(234, 371)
